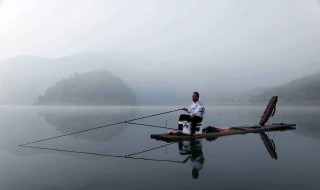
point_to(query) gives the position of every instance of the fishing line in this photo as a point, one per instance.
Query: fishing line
(103, 155)
(147, 125)
(149, 149)
(85, 130)
(274, 135)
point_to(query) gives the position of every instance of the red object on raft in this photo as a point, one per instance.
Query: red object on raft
(269, 111)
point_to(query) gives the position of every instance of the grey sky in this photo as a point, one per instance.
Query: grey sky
(168, 27)
(244, 43)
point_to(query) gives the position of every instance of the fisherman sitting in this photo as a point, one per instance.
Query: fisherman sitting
(195, 113)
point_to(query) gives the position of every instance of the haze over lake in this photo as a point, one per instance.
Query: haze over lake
(75, 65)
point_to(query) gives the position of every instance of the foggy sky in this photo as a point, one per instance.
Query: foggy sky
(173, 28)
(211, 40)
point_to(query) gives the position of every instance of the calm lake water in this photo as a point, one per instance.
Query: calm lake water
(96, 159)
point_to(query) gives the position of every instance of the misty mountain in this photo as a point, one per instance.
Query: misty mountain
(305, 90)
(24, 78)
(156, 78)
(243, 97)
(91, 88)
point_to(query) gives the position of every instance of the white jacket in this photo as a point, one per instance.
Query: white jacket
(197, 109)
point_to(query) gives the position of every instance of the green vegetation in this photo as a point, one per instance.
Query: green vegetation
(300, 91)
(92, 88)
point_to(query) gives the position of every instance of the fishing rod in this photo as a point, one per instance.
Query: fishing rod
(95, 128)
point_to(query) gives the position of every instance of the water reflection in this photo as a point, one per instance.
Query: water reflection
(307, 118)
(270, 146)
(195, 155)
(192, 151)
(68, 120)
(129, 156)
(297, 164)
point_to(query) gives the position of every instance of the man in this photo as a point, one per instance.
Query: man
(195, 113)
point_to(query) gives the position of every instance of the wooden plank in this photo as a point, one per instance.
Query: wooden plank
(232, 131)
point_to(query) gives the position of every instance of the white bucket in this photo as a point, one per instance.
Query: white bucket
(186, 128)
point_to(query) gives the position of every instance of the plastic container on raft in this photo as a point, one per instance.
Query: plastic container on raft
(186, 128)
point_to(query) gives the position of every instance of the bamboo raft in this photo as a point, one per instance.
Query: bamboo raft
(241, 130)
(232, 131)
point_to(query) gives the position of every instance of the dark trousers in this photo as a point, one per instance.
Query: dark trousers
(194, 121)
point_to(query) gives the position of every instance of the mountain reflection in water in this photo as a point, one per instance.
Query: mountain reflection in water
(69, 120)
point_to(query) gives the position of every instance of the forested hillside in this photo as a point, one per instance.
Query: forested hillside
(91, 88)
(305, 90)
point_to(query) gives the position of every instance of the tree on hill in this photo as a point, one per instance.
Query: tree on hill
(92, 88)
(303, 90)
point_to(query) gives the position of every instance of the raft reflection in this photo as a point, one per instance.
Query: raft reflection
(196, 158)
(270, 146)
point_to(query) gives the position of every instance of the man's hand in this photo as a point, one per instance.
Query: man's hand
(192, 116)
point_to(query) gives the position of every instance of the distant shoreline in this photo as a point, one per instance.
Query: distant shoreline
(305, 104)
(149, 105)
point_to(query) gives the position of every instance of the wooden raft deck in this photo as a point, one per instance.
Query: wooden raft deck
(232, 131)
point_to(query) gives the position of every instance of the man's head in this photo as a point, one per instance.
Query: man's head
(195, 96)
(195, 173)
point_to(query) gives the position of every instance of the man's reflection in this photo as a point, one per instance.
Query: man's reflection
(195, 155)
(194, 151)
